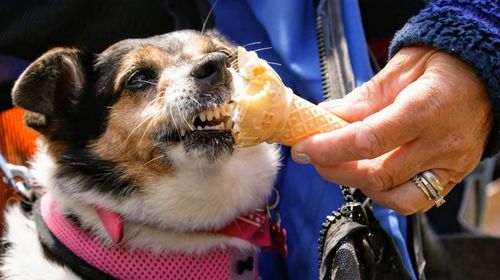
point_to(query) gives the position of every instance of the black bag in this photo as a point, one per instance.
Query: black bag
(353, 245)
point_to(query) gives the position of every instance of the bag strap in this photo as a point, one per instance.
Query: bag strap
(352, 243)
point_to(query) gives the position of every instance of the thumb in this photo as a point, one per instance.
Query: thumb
(363, 101)
(381, 90)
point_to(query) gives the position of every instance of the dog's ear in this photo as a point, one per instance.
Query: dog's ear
(49, 87)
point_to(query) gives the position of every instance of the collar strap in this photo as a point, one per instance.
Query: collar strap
(254, 228)
(121, 263)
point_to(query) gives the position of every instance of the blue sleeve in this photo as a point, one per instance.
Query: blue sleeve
(469, 30)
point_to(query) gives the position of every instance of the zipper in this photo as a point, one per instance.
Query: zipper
(336, 72)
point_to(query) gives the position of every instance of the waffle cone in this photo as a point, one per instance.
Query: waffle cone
(305, 119)
(268, 111)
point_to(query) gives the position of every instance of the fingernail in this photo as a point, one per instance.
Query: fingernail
(300, 157)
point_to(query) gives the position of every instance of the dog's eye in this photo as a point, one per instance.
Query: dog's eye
(140, 80)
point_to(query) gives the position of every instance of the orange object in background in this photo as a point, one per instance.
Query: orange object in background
(17, 145)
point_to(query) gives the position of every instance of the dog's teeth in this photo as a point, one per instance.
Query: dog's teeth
(222, 126)
(203, 116)
(199, 128)
(216, 112)
(210, 115)
(183, 132)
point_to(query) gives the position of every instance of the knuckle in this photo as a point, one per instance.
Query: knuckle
(368, 143)
(434, 95)
(399, 62)
(433, 86)
(373, 87)
(379, 179)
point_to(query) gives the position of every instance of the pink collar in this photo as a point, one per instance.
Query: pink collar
(254, 227)
(122, 263)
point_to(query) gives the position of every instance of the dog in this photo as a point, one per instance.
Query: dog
(136, 155)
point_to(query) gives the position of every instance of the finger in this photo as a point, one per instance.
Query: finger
(395, 125)
(404, 68)
(382, 173)
(407, 198)
(398, 166)
(402, 121)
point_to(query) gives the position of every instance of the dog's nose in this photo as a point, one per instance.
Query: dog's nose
(212, 69)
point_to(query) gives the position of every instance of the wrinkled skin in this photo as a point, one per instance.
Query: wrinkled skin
(425, 110)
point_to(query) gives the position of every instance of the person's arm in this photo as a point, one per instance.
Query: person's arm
(468, 30)
(426, 110)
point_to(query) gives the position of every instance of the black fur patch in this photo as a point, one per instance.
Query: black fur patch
(213, 144)
(93, 173)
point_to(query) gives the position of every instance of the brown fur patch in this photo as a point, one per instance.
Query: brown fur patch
(129, 138)
(146, 57)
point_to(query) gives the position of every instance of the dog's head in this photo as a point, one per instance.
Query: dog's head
(143, 129)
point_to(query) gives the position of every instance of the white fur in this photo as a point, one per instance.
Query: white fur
(25, 260)
(198, 197)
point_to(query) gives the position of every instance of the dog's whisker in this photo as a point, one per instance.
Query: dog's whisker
(154, 159)
(149, 82)
(153, 101)
(184, 117)
(154, 119)
(173, 119)
(179, 131)
(149, 119)
(263, 49)
(209, 95)
(274, 63)
(144, 121)
(135, 129)
(208, 17)
(194, 99)
(251, 44)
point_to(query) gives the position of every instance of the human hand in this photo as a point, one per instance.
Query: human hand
(425, 110)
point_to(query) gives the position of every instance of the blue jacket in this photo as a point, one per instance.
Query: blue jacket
(465, 28)
(285, 32)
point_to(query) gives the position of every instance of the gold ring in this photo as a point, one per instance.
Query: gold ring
(433, 180)
(422, 187)
(429, 190)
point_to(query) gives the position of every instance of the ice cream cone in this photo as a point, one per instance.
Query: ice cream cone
(268, 111)
(305, 119)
